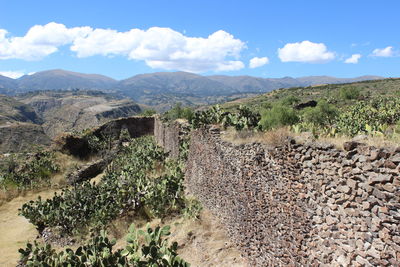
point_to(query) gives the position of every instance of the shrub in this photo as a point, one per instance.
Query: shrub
(125, 187)
(349, 92)
(278, 116)
(35, 171)
(290, 100)
(322, 115)
(148, 112)
(178, 112)
(369, 114)
(143, 248)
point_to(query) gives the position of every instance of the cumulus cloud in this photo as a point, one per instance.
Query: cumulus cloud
(353, 59)
(165, 48)
(384, 52)
(39, 41)
(305, 51)
(256, 62)
(157, 47)
(12, 74)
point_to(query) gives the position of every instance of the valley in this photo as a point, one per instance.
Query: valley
(197, 177)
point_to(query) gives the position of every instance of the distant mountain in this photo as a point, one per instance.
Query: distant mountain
(61, 79)
(7, 85)
(249, 84)
(179, 83)
(162, 89)
(317, 80)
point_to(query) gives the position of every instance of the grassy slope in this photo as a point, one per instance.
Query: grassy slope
(386, 87)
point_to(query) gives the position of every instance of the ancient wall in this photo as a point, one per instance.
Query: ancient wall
(170, 135)
(136, 126)
(301, 204)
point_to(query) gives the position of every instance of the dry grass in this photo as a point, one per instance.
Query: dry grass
(376, 141)
(272, 138)
(280, 136)
(16, 230)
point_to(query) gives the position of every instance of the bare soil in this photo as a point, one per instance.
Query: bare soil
(15, 230)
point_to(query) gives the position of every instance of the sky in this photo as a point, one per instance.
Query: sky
(263, 38)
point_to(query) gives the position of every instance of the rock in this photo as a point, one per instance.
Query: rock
(363, 261)
(345, 189)
(331, 220)
(380, 178)
(374, 253)
(390, 164)
(350, 145)
(374, 155)
(395, 159)
(343, 260)
(379, 194)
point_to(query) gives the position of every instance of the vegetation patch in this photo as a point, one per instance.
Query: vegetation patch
(128, 186)
(27, 171)
(143, 248)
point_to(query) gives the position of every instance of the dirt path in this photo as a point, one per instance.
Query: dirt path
(15, 230)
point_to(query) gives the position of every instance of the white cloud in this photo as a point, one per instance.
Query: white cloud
(353, 59)
(165, 48)
(159, 47)
(39, 41)
(12, 74)
(305, 51)
(384, 52)
(256, 62)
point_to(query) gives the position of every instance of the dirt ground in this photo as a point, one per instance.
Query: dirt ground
(15, 230)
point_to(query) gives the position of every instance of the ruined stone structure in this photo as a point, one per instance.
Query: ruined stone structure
(136, 126)
(299, 204)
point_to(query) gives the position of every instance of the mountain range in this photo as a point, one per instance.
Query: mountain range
(162, 89)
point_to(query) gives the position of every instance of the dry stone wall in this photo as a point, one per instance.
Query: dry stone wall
(301, 204)
(170, 135)
(136, 126)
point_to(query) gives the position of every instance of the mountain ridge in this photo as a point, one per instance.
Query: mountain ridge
(162, 89)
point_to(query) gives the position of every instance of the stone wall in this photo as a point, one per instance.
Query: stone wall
(136, 126)
(170, 135)
(301, 204)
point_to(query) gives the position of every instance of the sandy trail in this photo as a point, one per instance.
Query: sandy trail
(15, 230)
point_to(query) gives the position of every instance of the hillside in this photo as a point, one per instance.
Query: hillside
(19, 126)
(76, 110)
(162, 89)
(12, 110)
(367, 89)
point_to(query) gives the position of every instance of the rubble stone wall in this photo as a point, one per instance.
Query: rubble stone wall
(170, 135)
(301, 204)
(136, 126)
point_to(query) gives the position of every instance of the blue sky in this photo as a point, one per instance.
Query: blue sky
(259, 38)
